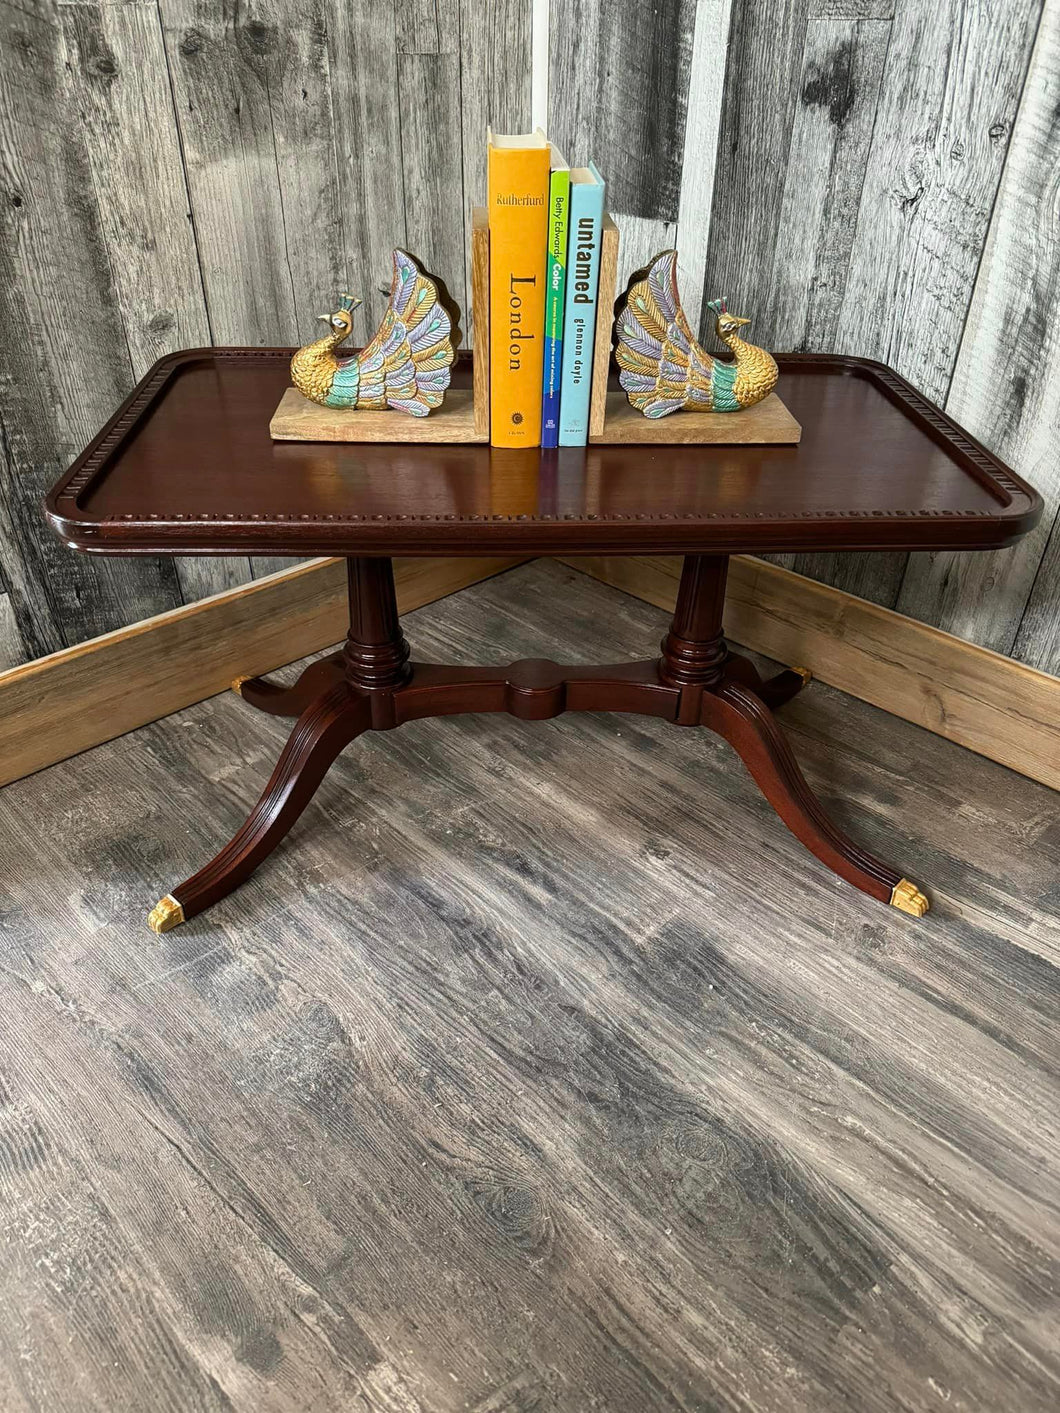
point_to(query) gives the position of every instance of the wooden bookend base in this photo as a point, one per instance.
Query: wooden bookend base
(299, 420)
(372, 685)
(767, 422)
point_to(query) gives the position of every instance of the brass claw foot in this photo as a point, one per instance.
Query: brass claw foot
(237, 683)
(804, 673)
(166, 914)
(908, 898)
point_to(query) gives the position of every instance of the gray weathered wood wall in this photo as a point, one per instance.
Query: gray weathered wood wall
(877, 177)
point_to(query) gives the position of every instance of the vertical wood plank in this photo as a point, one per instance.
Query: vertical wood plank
(706, 85)
(639, 238)
(365, 102)
(428, 40)
(119, 83)
(951, 88)
(496, 41)
(252, 98)
(203, 574)
(117, 80)
(761, 90)
(1038, 639)
(618, 94)
(12, 651)
(948, 100)
(1006, 388)
(64, 359)
(834, 118)
(297, 76)
(427, 26)
(875, 576)
(433, 169)
(539, 63)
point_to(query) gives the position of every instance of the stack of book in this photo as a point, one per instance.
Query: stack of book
(545, 225)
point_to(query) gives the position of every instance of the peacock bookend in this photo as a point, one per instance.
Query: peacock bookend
(405, 368)
(401, 388)
(664, 368)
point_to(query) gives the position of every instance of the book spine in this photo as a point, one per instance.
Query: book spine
(579, 329)
(518, 219)
(555, 305)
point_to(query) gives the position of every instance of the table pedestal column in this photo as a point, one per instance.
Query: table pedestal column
(371, 685)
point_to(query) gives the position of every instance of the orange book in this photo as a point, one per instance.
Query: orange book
(518, 219)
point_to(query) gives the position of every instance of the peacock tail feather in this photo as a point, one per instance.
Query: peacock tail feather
(664, 368)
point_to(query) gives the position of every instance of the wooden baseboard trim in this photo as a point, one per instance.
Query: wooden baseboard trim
(995, 706)
(62, 704)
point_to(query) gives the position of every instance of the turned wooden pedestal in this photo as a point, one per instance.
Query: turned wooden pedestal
(372, 685)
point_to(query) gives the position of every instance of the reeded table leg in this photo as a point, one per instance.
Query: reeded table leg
(371, 685)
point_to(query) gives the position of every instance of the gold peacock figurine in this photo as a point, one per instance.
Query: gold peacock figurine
(406, 365)
(664, 369)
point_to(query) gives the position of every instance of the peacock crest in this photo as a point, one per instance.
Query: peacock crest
(664, 368)
(405, 366)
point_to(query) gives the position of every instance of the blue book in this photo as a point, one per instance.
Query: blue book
(579, 322)
(555, 297)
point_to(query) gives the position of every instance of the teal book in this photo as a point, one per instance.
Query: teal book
(579, 322)
(555, 297)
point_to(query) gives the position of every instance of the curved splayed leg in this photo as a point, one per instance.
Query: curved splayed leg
(748, 725)
(324, 728)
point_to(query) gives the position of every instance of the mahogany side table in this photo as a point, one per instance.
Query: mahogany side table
(186, 466)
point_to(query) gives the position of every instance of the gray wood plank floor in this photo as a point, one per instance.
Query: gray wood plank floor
(539, 1069)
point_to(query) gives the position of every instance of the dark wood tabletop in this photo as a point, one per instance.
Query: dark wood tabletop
(187, 466)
